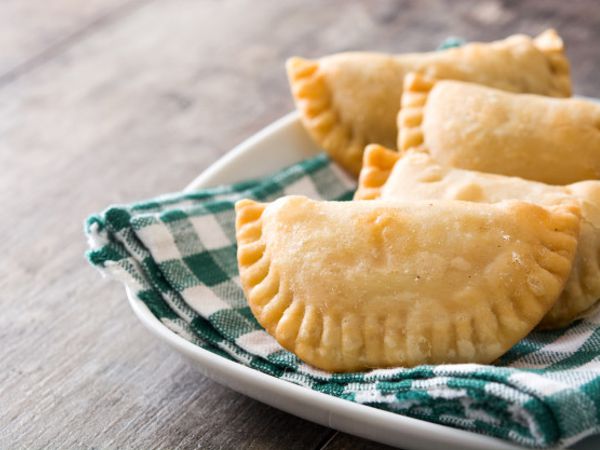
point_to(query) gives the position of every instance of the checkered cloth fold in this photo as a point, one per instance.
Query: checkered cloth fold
(177, 254)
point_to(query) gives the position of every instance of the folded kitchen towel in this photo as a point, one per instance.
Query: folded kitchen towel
(177, 255)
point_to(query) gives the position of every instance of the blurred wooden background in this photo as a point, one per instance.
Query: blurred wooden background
(105, 101)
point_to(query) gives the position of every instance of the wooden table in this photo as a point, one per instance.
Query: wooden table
(108, 101)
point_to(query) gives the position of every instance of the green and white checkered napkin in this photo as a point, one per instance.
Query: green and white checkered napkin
(177, 253)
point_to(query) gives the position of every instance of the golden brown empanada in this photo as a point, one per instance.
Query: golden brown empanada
(416, 176)
(349, 100)
(555, 141)
(354, 285)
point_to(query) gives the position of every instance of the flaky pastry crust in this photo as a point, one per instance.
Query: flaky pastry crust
(352, 286)
(466, 125)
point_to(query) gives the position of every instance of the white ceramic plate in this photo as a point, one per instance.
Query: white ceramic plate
(280, 144)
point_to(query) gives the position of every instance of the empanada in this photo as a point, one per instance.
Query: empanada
(349, 286)
(555, 141)
(349, 100)
(417, 177)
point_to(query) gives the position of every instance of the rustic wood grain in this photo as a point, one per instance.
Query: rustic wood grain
(121, 100)
(29, 35)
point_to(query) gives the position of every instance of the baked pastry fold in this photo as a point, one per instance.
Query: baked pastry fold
(415, 176)
(555, 141)
(348, 100)
(349, 286)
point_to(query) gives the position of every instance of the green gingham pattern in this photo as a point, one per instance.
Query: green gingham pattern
(177, 254)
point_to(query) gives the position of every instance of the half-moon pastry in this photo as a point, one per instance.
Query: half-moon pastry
(349, 286)
(466, 125)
